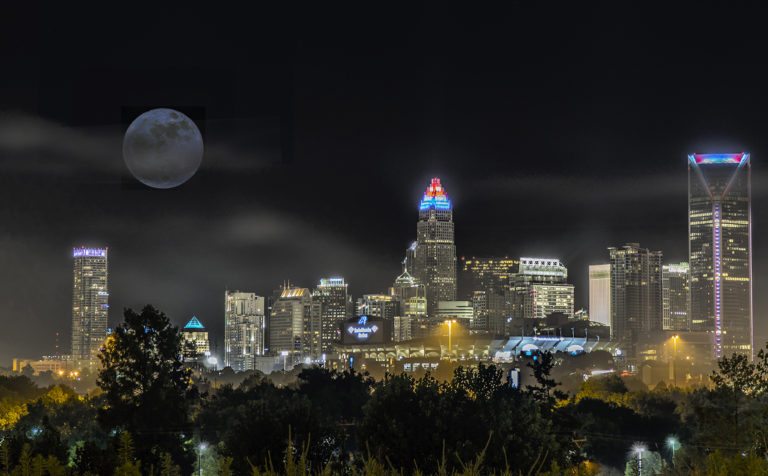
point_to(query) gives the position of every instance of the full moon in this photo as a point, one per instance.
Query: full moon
(163, 148)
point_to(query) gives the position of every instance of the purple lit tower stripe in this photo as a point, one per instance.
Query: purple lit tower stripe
(717, 263)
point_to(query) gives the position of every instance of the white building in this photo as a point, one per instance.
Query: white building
(600, 293)
(244, 329)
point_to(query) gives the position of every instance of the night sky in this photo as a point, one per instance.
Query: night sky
(557, 132)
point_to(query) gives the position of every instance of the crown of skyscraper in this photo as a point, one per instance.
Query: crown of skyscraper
(435, 197)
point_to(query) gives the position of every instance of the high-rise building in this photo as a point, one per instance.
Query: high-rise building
(540, 288)
(90, 302)
(244, 329)
(720, 250)
(675, 297)
(295, 325)
(486, 282)
(491, 275)
(435, 254)
(196, 343)
(600, 293)
(636, 293)
(406, 286)
(332, 295)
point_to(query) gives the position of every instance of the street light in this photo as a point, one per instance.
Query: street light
(639, 449)
(450, 349)
(200, 448)
(673, 444)
(674, 339)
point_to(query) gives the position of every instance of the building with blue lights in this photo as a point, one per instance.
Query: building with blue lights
(90, 302)
(720, 250)
(435, 253)
(196, 342)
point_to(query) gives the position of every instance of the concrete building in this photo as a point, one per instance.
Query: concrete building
(720, 250)
(636, 294)
(675, 294)
(600, 293)
(435, 254)
(295, 325)
(540, 288)
(90, 302)
(462, 311)
(244, 329)
(336, 308)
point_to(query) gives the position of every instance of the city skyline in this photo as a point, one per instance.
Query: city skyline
(318, 148)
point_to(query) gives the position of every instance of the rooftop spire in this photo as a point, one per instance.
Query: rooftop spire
(435, 197)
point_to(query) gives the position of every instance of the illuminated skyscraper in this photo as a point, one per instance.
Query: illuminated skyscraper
(720, 250)
(675, 297)
(90, 302)
(636, 294)
(491, 275)
(540, 288)
(295, 325)
(244, 329)
(486, 282)
(435, 254)
(332, 295)
(600, 293)
(196, 343)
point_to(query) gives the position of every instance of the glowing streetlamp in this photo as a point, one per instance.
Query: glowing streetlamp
(638, 449)
(674, 339)
(200, 449)
(450, 349)
(673, 444)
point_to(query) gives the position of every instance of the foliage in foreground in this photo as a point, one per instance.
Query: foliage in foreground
(149, 419)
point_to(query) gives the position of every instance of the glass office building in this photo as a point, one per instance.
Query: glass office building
(720, 250)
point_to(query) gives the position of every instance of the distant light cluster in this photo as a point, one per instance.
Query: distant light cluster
(94, 252)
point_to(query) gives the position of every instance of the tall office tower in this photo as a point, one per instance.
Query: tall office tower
(491, 275)
(435, 253)
(195, 337)
(332, 295)
(244, 329)
(90, 302)
(295, 325)
(540, 288)
(600, 293)
(675, 285)
(491, 278)
(636, 293)
(720, 250)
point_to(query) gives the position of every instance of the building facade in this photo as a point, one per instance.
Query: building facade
(540, 288)
(333, 297)
(636, 293)
(435, 254)
(295, 325)
(720, 250)
(675, 282)
(600, 293)
(244, 329)
(90, 301)
(491, 275)
(196, 342)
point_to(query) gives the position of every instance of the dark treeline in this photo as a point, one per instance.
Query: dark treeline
(148, 417)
